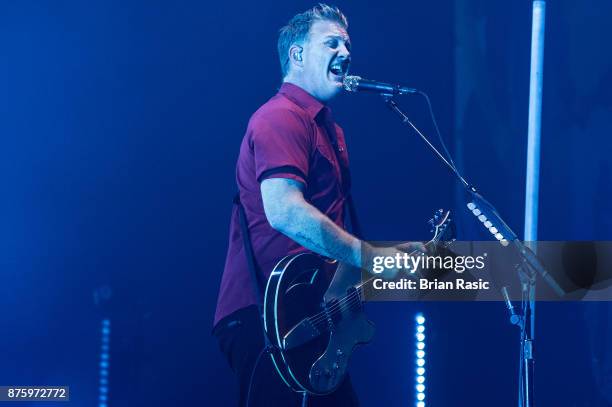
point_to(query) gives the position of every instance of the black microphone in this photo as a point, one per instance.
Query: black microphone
(354, 83)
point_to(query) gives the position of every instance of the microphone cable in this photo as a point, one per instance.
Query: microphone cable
(265, 350)
(435, 123)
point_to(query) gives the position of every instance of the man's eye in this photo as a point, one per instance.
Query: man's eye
(332, 44)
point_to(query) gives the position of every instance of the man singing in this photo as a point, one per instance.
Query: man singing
(293, 181)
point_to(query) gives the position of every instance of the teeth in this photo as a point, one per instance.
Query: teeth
(336, 68)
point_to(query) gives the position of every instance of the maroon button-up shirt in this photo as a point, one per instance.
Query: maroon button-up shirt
(290, 136)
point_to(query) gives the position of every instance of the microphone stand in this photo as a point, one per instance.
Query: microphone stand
(527, 269)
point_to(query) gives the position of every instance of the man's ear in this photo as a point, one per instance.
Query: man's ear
(295, 54)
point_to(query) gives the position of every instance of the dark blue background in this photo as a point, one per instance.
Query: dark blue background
(120, 123)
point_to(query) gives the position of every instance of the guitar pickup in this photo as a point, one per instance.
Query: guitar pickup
(300, 334)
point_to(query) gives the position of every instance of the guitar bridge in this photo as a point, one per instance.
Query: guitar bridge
(333, 313)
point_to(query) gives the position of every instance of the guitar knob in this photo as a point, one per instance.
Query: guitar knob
(335, 366)
(339, 352)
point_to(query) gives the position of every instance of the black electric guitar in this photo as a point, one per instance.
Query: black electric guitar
(314, 323)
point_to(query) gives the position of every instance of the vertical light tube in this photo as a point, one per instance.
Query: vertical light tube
(532, 180)
(420, 360)
(535, 122)
(104, 363)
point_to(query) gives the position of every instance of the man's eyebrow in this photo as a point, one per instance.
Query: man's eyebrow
(346, 40)
(338, 37)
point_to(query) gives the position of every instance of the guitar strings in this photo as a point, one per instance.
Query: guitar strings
(348, 299)
(323, 315)
(343, 303)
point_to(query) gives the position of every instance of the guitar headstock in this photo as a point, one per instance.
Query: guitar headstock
(442, 226)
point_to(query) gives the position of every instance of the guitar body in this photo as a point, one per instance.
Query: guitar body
(313, 323)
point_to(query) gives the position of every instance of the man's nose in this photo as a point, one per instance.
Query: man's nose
(344, 52)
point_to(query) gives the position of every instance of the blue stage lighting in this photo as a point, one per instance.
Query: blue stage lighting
(420, 360)
(104, 363)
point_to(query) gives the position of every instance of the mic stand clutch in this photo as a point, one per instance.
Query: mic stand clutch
(527, 270)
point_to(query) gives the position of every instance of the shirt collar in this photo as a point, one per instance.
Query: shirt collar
(301, 98)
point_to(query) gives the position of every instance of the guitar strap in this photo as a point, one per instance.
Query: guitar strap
(255, 279)
(355, 226)
(248, 250)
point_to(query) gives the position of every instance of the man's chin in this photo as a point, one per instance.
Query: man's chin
(327, 91)
(334, 89)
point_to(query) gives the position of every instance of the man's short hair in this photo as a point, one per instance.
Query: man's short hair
(296, 31)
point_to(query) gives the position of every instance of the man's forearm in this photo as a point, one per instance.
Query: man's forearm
(315, 231)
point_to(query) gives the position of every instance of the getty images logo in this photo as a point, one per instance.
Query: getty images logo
(403, 261)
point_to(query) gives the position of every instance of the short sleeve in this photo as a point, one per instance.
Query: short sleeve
(282, 144)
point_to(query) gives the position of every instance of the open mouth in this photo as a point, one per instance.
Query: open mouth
(339, 68)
